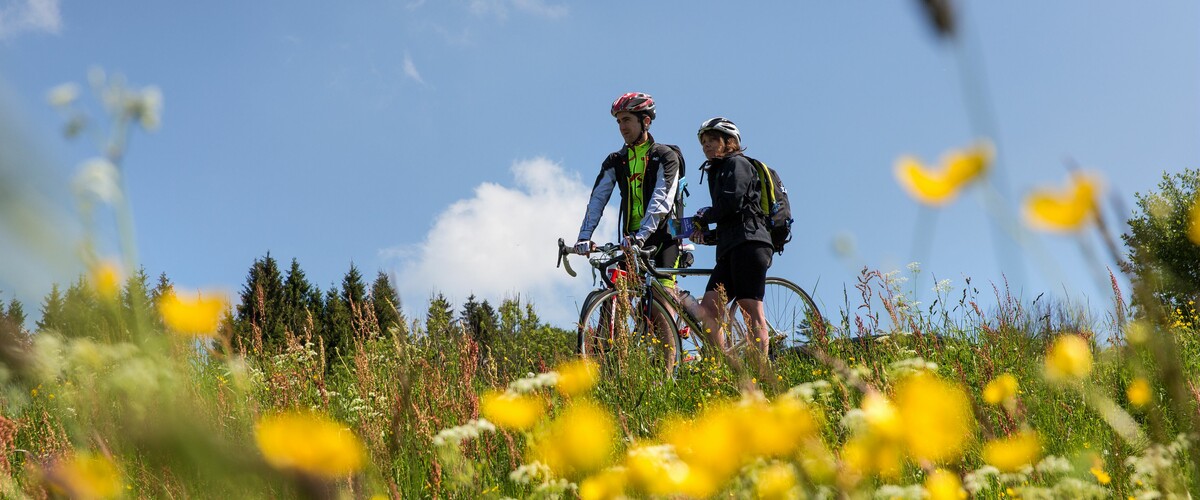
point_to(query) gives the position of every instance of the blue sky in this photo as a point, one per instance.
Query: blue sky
(450, 143)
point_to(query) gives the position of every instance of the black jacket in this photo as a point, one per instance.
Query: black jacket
(733, 186)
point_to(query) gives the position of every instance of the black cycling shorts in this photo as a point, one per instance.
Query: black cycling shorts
(743, 271)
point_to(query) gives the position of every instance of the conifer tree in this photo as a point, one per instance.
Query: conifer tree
(336, 328)
(301, 302)
(438, 317)
(386, 303)
(260, 306)
(354, 295)
(480, 321)
(135, 301)
(162, 288)
(16, 313)
(53, 311)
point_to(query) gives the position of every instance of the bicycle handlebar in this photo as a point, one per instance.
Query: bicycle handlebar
(617, 254)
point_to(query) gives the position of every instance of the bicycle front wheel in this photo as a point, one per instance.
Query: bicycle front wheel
(792, 317)
(611, 320)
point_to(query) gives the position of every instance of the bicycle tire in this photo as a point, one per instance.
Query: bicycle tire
(599, 327)
(792, 317)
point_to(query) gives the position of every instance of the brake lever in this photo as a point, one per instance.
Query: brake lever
(562, 258)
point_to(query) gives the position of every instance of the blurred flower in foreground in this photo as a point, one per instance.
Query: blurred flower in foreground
(1101, 476)
(511, 411)
(937, 418)
(106, 278)
(578, 442)
(1001, 389)
(1014, 452)
(577, 376)
(200, 315)
(1068, 209)
(1139, 392)
(1070, 358)
(944, 485)
(1193, 233)
(86, 475)
(98, 179)
(63, 95)
(940, 186)
(604, 485)
(777, 481)
(310, 443)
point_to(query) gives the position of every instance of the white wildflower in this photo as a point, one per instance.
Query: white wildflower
(914, 267)
(942, 286)
(809, 391)
(891, 491)
(98, 178)
(855, 420)
(1053, 465)
(533, 473)
(456, 435)
(63, 95)
(533, 382)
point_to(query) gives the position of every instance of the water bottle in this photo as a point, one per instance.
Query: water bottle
(689, 303)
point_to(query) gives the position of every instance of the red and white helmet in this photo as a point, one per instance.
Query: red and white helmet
(722, 125)
(634, 102)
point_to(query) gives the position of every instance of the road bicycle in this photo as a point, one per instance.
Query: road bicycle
(632, 303)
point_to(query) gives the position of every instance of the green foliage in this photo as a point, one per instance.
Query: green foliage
(385, 302)
(1161, 257)
(260, 320)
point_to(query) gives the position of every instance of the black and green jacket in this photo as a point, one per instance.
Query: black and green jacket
(663, 165)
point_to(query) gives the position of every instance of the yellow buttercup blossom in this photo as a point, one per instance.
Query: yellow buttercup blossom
(776, 429)
(608, 484)
(938, 186)
(777, 481)
(1101, 476)
(1139, 392)
(1070, 358)
(714, 442)
(944, 485)
(1001, 389)
(937, 417)
(88, 475)
(200, 315)
(105, 277)
(1193, 232)
(577, 376)
(578, 442)
(309, 443)
(1067, 209)
(511, 411)
(1012, 453)
(881, 415)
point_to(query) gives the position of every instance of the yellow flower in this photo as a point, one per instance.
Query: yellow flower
(608, 484)
(714, 442)
(578, 442)
(106, 279)
(939, 187)
(937, 418)
(1194, 222)
(1001, 389)
(511, 411)
(1064, 210)
(577, 377)
(1139, 392)
(881, 415)
(1101, 476)
(776, 430)
(1070, 358)
(777, 481)
(944, 485)
(87, 475)
(200, 315)
(310, 443)
(1014, 452)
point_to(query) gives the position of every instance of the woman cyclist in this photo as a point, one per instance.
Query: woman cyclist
(742, 238)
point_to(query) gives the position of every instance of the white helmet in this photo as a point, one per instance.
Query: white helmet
(722, 125)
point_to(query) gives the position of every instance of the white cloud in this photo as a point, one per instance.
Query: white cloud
(21, 16)
(539, 8)
(410, 69)
(503, 242)
(486, 7)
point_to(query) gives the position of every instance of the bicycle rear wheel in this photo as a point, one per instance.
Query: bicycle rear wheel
(610, 319)
(792, 317)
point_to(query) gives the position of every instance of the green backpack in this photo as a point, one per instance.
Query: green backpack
(774, 204)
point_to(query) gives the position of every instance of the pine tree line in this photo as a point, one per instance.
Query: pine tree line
(276, 309)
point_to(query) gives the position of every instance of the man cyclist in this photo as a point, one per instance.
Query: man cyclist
(646, 173)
